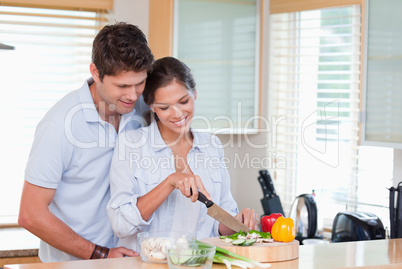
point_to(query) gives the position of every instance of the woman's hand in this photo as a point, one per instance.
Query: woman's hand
(185, 182)
(246, 216)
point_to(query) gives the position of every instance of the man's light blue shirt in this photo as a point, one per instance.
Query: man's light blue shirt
(141, 161)
(71, 153)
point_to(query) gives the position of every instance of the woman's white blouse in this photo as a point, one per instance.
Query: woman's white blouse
(141, 161)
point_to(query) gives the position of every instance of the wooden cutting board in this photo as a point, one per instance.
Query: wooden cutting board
(261, 252)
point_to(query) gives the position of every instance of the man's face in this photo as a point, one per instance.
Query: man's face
(120, 92)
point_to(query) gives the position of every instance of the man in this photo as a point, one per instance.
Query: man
(66, 186)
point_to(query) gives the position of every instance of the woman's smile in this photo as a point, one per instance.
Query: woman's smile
(181, 122)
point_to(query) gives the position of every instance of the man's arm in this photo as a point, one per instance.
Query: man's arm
(36, 217)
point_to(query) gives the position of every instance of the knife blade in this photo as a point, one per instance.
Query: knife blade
(221, 215)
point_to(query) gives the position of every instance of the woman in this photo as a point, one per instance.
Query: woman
(154, 168)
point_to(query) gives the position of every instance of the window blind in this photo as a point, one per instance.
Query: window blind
(218, 40)
(51, 58)
(315, 88)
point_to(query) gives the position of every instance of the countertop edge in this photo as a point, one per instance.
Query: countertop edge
(18, 253)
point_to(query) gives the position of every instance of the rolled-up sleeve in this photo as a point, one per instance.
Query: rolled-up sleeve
(122, 208)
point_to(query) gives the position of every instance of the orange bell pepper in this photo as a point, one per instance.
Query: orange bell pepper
(283, 230)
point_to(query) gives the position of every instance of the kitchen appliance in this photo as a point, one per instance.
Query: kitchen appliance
(304, 214)
(221, 215)
(395, 211)
(356, 226)
(270, 202)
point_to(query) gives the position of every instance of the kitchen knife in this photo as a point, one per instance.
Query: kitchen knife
(268, 181)
(264, 187)
(221, 215)
(271, 202)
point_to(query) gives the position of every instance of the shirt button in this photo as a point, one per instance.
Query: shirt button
(202, 220)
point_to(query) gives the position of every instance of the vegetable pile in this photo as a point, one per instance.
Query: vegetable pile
(282, 229)
(248, 238)
(154, 249)
(274, 227)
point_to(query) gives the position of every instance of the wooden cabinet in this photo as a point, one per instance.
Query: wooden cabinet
(19, 260)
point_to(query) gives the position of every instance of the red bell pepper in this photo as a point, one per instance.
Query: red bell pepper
(268, 221)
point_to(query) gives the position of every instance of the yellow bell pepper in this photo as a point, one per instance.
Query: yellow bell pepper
(283, 230)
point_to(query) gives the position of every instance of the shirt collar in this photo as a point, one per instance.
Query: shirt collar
(87, 103)
(197, 141)
(126, 118)
(157, 143)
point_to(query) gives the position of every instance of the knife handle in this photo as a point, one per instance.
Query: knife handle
(264, 187)
(268, 182)
(203, 199)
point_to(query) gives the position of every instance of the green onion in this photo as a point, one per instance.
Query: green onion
(228, 261)
(229, 258)
(232, 255)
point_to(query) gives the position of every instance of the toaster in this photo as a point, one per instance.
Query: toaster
(356, 226)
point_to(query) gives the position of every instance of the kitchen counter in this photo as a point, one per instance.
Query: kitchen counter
(17, 242)
(17, 245)
(369, 254)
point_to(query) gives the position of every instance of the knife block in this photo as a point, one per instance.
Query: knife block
(272, 205)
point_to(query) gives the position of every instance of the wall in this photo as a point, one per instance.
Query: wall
(397, 166)
(132, 11)
(244, 185)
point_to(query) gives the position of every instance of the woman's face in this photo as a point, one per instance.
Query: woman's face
(174, 106)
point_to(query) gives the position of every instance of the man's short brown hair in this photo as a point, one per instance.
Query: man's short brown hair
(121, 47)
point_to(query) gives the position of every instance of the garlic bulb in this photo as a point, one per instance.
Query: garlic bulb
(155, 248)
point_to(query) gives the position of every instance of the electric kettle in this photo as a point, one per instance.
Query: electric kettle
(304, 214)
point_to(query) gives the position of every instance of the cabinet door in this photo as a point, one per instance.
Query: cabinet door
(382, 81)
